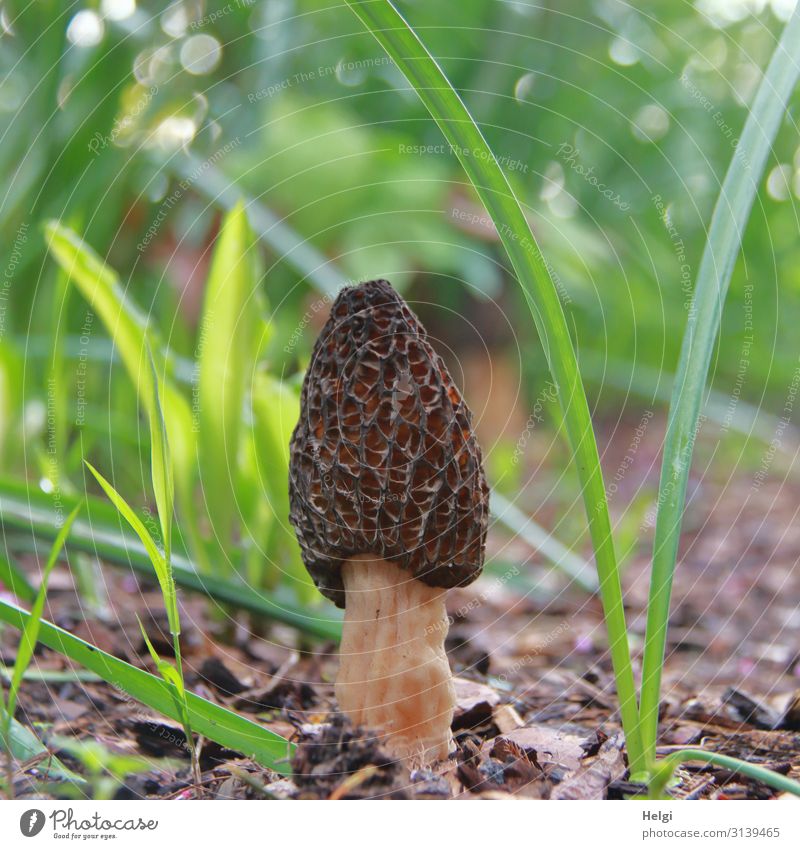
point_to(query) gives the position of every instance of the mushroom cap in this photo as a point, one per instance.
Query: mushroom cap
(383, 459)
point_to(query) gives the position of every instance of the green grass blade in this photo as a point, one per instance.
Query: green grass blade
(30, 633)
(228, 327)
(172, 677)
(212, 721)
(533, 273)
(160, 460)
(728, 223)
(161, 566)
(31, 513)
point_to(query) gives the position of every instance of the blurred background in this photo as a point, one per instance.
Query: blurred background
(138, 125)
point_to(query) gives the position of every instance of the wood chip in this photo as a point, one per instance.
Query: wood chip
(507, 719)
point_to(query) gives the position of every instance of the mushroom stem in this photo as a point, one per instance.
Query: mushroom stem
(394, 674)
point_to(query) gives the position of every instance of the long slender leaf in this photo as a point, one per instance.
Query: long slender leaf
(212, 721)
(99, 284)
(172, 678)
(728, 222)
(161, 566)
(160, 459)
(18, 740)
(653, 385)
(411, 56)
(755, 771)
(30, 634)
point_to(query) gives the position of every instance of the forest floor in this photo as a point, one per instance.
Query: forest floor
(536, 713)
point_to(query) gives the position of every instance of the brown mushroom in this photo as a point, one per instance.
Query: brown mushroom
(390, 505)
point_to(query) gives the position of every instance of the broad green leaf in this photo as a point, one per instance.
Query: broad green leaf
(127, 325)
(728, 223)
(228, 326)
(161, 567)
(99, 284)
(212, 721)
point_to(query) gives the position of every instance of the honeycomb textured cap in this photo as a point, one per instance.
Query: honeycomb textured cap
(383, 459)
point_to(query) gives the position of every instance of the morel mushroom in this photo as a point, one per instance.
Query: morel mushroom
(390, 505)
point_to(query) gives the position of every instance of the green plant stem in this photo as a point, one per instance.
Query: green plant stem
(185, 721)
(754, 771)
(411, 56)
(728, 222)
